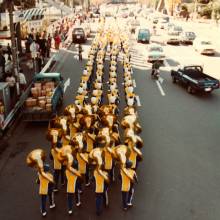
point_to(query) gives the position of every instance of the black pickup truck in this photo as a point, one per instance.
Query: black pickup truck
(194, 79)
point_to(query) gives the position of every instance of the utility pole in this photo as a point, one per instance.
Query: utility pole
(10, 7)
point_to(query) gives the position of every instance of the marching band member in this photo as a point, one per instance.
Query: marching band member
(73, 186)
(46, 189)
(36, 159)
(58, 167)
(128, 178)
(101, 182)
(82, 157)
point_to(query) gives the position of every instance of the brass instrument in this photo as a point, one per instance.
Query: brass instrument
(109, 120)
(130, 121)
(53, 135)
(71, 110)
(121, 153)
(96, 156)
(103, 136)
(65, 155)
(131, 136)
(36, 159)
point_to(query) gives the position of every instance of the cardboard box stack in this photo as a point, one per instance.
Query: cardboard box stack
(41, 94)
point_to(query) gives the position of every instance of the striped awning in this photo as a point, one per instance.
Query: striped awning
(34, 14)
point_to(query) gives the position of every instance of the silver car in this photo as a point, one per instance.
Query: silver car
(187, 37)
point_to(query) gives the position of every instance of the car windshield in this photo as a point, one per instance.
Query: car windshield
(190, 34)
(78, 31)
(156, 49)
(144, 31)
(206, 43)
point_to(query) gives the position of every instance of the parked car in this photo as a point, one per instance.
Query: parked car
(155, 52)
(143, 35)
(78, 35)
(194, 79)
(169, 26)
(172, 39)
(204, 46)
(175, 30)
(187, 37)
(162, 23)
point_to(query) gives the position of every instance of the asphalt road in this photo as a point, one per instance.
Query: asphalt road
(178, 178)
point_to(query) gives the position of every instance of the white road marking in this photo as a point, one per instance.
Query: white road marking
(160, 80)
(138, 100)
(160, 88)
(166, 64)
(66, 84)
(134, 83)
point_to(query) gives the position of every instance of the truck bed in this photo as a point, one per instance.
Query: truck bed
(30, 115)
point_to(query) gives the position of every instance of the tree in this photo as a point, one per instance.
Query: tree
(25, 4)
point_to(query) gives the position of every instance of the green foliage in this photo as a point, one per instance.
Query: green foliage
(206, 12)
(184, 8)
(203, 1)
(26, 4)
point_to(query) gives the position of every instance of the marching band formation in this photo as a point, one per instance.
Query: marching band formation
(85, 141)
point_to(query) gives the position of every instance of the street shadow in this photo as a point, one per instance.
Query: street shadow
(217, 54)
(173, 63)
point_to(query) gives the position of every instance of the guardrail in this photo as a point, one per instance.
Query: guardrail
(50, 63)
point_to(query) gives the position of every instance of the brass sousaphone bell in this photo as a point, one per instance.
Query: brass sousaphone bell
(35, 159)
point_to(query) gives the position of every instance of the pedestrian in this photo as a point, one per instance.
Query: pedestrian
(1, 49)
(101, 182)
(58, 167)
(46, 189)
(2, 62)
(22, 81)
(9, 51)
(128, 177)
(34, 48)
(43, 46)
(2, 113)
(10, 79)
(80, 52)
(39, 62)
(57, 41)
(48, 46)
(73, 182)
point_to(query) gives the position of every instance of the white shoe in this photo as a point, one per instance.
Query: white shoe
(44, 214)
(78, 204)
(52, 206)
(129, 204)
(70, 212)
(80, 191)
(55, 190)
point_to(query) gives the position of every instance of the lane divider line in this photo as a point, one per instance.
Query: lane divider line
(160, 88)
(167, 64)
(66, 84)
(134, 83)
(138, 101)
